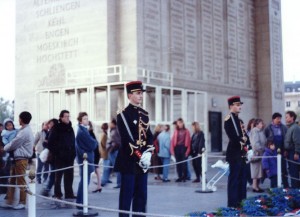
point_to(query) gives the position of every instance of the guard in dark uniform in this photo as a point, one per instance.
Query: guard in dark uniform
(135, 152)
(235, 154)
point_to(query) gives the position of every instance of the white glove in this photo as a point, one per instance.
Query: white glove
(173, 159)
(146, 159)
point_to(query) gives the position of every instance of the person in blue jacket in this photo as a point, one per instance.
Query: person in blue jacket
(84, 143)
(269, 162)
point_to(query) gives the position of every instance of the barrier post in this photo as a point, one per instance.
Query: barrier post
(279, 172)
(203, 175)
(31, 197)
(85, 211)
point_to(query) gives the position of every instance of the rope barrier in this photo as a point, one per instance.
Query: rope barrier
(30, 188)
(7, 185)
(298, 163)
(158, 166)
(52, 171)
(292, 177)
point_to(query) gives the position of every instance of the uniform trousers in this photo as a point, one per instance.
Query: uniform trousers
(133, 189)
(237, 183)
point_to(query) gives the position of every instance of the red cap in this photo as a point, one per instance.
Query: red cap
(134, 86)
(234, 99)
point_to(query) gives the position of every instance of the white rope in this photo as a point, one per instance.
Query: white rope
(261, 157)
(102, 208)
(158, 166)
(100, 165)
(292, 177)
(292, 161)
(175, 163)
(8, 185)
(216, 156)
(52, 171)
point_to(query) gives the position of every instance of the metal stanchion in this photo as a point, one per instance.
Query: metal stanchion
(85, 211)
(31, 197)
(279, 172)
(203, 178)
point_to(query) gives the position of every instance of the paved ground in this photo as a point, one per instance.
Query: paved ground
(163, 198)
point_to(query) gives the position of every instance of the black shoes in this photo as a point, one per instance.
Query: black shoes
(178, 180)
(97, 190)
(196, 181)
(71, 197)
(166, 180)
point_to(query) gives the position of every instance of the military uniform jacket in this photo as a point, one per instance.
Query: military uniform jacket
(138, 123)
(234, 132)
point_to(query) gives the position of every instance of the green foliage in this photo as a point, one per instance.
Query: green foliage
(6, 109)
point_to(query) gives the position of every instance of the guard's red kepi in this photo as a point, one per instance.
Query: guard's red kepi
(134, 86)
(234, 99)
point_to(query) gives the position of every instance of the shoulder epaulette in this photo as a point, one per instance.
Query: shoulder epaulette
(143, 110)
(120, 110)
(227, 118)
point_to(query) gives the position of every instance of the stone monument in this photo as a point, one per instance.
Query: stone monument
(191, 54)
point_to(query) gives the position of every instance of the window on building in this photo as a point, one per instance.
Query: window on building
(288, 89)
(298, 103)
(288, 104)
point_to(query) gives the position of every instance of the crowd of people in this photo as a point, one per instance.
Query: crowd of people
(251, 152)
(266, 141)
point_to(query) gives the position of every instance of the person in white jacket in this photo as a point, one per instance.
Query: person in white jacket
(22, 146)
(42, 168)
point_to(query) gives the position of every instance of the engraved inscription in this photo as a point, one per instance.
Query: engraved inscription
(152, 37)
(177, 37)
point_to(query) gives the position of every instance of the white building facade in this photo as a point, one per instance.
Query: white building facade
(190, 54)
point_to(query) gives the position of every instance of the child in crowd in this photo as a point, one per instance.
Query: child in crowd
(9, 133)
(269, 163)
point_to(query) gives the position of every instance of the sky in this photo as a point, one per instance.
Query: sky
(290, 39)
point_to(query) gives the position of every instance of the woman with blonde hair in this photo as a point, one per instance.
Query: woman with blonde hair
(155, 159)
(197, 144)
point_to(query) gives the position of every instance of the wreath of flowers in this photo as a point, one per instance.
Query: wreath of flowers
(278, 202)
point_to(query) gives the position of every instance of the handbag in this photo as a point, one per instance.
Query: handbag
(251, 156)
(44, 155)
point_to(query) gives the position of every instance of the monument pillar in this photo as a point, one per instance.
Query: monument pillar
(269, 58)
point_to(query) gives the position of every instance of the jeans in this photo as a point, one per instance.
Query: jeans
(133, 189)
(180, 156)
(165, 161)
(17, 168)
(106, 171)
(39, 169)
(79, 198)
(51, 178)
(112, 157)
